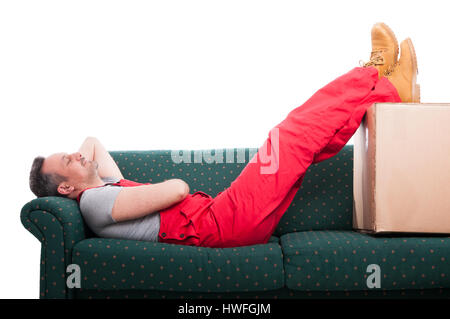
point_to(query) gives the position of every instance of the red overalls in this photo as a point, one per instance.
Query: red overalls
(248, 211)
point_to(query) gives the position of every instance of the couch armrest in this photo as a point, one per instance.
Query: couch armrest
(57, 223)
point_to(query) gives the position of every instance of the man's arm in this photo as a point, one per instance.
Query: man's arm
(92, 149)
(139, 201)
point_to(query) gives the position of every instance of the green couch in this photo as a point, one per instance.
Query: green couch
(314, 253)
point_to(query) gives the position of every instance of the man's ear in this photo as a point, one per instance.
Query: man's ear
(65, 189)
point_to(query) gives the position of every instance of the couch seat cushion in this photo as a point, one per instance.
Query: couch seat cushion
(339, 260)
(112, 264)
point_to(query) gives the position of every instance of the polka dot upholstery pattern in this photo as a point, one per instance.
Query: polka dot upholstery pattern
(57, 223)
(111, 264)
(313, 253)
(210, 171)
(325, 198)
(338, 260)
(283, 293)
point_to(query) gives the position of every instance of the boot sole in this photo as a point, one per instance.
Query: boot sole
(416, 96)
(415, 88)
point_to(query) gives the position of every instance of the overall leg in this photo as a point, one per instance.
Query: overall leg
(249, 210)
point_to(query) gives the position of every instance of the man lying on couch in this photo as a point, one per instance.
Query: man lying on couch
(248, 211)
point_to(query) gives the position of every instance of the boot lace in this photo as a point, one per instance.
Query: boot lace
(390, 69)
(376, 58)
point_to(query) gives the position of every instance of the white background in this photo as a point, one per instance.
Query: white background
(174, 75)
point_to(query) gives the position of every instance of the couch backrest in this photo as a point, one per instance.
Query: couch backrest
(324, 201)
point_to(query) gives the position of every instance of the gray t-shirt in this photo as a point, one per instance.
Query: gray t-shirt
(96, 206)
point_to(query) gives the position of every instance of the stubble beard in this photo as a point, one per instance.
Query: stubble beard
(93, 171)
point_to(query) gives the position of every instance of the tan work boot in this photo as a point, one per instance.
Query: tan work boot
(384, 49)
(404, 74)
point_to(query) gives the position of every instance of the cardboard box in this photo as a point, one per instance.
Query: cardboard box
(402, 169)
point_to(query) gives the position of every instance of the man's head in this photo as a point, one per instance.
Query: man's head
(62, 174)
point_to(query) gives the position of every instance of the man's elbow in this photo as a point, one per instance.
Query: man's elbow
(183, 190)
(90, 139)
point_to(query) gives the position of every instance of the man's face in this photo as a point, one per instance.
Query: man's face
(74, 167)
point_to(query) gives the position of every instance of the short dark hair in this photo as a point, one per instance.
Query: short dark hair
(44, 184)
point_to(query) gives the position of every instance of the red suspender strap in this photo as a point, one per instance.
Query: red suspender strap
(122, 182)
